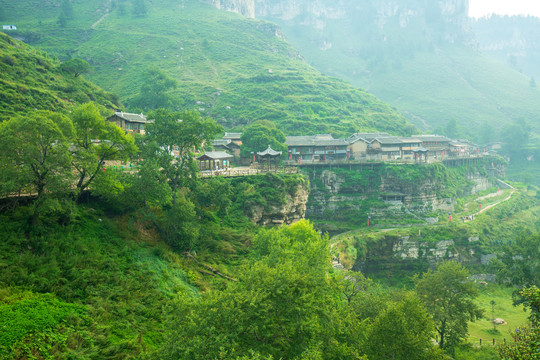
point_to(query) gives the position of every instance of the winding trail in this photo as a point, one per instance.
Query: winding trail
(107, 13)
(497, 203)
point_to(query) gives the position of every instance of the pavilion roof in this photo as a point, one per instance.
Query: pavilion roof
(215, 155)
(269, 152)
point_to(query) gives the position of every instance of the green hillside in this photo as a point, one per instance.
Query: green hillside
(418, 56)
(31, 79)
(231, 68)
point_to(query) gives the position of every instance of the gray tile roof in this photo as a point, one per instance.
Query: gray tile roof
(269, 152)
(140, 118)
(215, 155)
(310, 140)
(232, 136)
(391, 140)
(409, 140)
(221, 142)
(366, 136)
(432, 138)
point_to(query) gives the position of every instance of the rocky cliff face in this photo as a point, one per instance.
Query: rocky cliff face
(349, 194)
(380, 14)
(244, 7)
(289, 211)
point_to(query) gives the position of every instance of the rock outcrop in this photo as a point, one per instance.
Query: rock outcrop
(243, 7)
(291, 210)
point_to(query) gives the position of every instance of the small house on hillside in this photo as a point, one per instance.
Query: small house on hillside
(393, 147)
(9, 27)
(227, 145)
(321, 147)
(135, 123)
(234, 137)
(437, 145)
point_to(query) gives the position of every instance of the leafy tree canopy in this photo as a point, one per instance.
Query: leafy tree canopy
(173, 138)
(34, 155)
(280, 307)
(154, 93)
(518, 262)
(139, 8)
(258, 135)
(67, 9)
(402, 331)
(449, 298)
(75, 67)
(96, 141)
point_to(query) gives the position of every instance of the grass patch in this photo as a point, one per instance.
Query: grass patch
(513, 316)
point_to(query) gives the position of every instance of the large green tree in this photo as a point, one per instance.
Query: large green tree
(139, 8)
(96, 141)
(67, 9)
(75, 67)
(154, 93)
(518, 263)
(449, 295)
(173, 139)
(34, 156)
(402, 331)
(285, 304)
(258, 135)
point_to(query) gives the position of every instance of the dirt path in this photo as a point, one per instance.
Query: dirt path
(107, 13)
(497, 203)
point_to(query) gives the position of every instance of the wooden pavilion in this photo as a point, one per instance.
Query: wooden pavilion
(214, 160)
(419, 152)
(269, 155)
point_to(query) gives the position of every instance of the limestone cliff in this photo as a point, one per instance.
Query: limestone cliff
(416, 15)
(244, 7)
(401, 193)
(288, 211)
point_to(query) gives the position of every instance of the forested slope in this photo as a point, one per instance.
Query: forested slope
(31, 79)
(189, 55)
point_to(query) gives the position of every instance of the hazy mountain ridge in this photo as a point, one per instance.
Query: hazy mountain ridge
(420, 56)
(233, 69)
(514, 40)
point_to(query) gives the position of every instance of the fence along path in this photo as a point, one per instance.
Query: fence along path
(237, 172)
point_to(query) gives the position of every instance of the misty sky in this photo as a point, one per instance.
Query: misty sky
(480, 8)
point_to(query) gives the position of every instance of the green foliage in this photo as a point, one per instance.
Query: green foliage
(34, 153)
(67, 9)
(108, 288)
(517, 262)
(527, 346)
(24, 314)
(448, 296)
(155, 90)
(281, 306)
(402, 331)
(75, 67)
(172, 140)
(258, 135)
(139, 8)
(179, 225)
(88, 156)
(220, 61)
(531, 298)
(33, 80)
